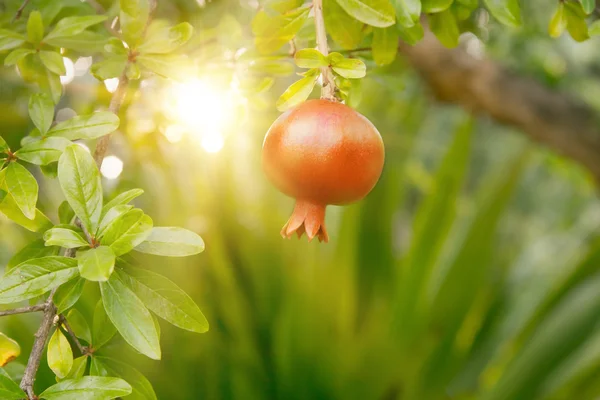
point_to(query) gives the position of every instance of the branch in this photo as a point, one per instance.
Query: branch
(63, 321)
(554, 119)
(20, 11)
(115, 104)
(328, 88)
(41, 337)
(23, 310)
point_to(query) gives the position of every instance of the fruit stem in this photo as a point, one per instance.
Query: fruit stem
(328, 88)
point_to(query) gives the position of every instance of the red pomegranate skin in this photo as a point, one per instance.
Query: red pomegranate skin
(321, 152)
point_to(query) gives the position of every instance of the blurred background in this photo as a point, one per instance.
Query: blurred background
(470, 272)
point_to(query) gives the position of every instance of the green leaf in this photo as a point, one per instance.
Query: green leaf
(87, 388)
(272, 32)
(41, 110)
(97, 367)
(283, 6)
(310, 58)
(351, 68)
(50, 83)
(171, 242)
(588, 6)
(88, 42)
(343, 29)
(431, 227)
(81, 184)
(78, 369)
(35, 28)
(297, 92)
(411, 35)
(378, 13)
(142, 388)
(163, 39)
(96, 264)
(134, 16)
(23, 187)
(507, 12)
(73, 26)
(132, 71)
(35, 277)
(555, 339)
(65, 213)
(16, 55)
(50, 170)
(53, 61)
(445, 28)
(271, 66)
(127, 231)
(175, 66)
(102, 329)
(435, 6)
(60, 355)
(35, 249)
(470, 266)
(576, 24)
(3, 146)
(122, 198)
(111, 215)
(67, 295)
(79, 325)
(133, 321)
(10, 390)
(165, 299)
(10, 39)
(594, 28)
(408, 12)
(64, 237)
(111, 67)
(385, 45)
(43, 152)
(116, 46)
(9, 207)
(91, 126)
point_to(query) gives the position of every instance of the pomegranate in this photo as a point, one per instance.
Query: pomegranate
(321, 152)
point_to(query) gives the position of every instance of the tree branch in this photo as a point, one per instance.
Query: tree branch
(41, 337)
(20, 11)
(328, 88)
(115, 104)
(23, 310)
(63, 321)
(564, 124)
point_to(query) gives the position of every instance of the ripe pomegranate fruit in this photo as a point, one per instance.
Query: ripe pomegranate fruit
(321, 152)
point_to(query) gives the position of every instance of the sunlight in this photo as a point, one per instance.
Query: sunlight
(212, 143)
(202, 109)
(111, 168)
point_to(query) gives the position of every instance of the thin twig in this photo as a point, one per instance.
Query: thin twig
(63, 321)
(328, 88)
(20, 11)
(115, 105)
(108, 24)
(90, 239)
(23, 310)
(37, 350)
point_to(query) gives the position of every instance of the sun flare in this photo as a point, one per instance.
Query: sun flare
(200, 109)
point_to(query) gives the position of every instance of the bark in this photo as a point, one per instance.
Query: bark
(482, 86)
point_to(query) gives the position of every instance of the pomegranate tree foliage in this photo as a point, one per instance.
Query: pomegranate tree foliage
(93, 236)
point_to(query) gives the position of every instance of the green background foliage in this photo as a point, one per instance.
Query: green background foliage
(470, 272)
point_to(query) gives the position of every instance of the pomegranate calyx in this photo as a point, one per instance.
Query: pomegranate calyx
(307, 217)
